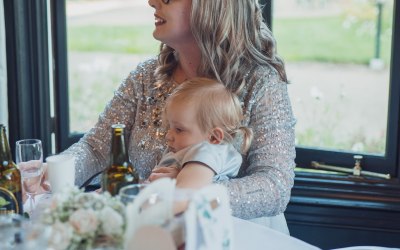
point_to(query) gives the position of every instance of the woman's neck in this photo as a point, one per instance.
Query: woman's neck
(187, 66)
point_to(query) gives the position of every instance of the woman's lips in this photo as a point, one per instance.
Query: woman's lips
(159, 20)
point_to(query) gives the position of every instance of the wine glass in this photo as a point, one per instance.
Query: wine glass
(129, 192)
(29, 159)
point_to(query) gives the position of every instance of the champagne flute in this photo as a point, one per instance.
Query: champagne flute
(29, 159)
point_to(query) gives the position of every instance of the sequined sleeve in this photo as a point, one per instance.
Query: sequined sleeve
(92, 151)
(264, 188)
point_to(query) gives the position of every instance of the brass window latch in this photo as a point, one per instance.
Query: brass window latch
(356, 170)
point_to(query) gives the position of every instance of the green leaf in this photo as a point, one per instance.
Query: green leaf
(3, 202)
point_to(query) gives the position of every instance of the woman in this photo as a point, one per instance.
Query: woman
(227, 41)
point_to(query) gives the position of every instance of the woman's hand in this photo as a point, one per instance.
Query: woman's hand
(162, 172)
(44, 186)
(44, 183)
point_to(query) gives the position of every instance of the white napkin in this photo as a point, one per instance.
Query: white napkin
(208, 220)
(152, 206)
(152, 237)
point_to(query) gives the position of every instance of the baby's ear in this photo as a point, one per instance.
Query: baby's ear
(217, 136)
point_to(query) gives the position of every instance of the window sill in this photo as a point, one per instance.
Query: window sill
(346, 191)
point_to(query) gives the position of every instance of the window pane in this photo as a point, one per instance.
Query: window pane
(106, 40)
(337, 55)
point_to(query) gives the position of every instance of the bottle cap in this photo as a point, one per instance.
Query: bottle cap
(118, 125)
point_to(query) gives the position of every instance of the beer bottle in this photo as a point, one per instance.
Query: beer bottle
(10, 179)
(121, 171)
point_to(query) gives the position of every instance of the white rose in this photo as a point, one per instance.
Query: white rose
(112, 222)
(84, 221)
(61, 235)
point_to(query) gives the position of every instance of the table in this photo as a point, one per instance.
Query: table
(249, 235)
(246, 235)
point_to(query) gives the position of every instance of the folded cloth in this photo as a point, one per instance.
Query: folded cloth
(208, 220)
(152, 206)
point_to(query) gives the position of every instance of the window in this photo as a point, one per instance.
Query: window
(340, 60)
(105, 40)
(304, 49)
(329, 204)
(28, 71)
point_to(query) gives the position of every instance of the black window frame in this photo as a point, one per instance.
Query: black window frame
(59, 36)
(27, 72)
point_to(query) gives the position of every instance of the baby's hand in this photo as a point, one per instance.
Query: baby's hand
(162, 172)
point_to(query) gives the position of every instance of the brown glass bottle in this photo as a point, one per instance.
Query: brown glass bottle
(10, 179)
(121, 171)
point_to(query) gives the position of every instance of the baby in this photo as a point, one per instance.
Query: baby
(203, 120)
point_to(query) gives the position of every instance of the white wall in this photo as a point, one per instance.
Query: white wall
(3, 70)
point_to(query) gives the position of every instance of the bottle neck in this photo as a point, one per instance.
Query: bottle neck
(119, 153)
(5, 152)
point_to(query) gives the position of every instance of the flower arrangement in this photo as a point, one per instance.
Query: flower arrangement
(80, 220)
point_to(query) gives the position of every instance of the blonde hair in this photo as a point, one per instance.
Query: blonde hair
(233, 40)
(215, 106)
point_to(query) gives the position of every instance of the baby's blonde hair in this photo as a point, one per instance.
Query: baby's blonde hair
(215, 106)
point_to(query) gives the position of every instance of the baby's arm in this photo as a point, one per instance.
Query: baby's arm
(193, 175)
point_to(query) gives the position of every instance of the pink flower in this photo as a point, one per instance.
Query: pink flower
(84, 221)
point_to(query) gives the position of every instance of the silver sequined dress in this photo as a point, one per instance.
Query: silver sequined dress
(267, 173)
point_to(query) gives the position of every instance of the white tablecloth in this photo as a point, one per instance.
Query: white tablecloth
(249, 235)
(365, 248)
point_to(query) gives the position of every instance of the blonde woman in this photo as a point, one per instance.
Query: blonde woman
(223, 40)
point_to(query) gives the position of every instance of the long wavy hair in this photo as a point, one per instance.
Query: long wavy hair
(233, 40)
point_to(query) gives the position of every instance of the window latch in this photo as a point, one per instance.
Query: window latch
(356, 170)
